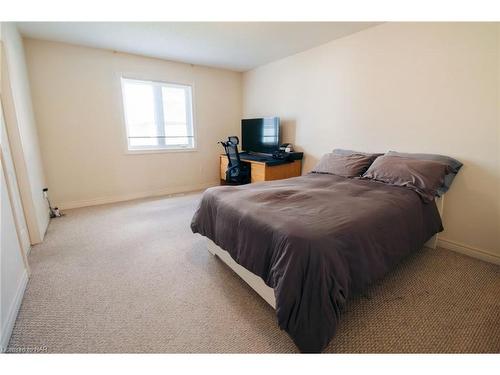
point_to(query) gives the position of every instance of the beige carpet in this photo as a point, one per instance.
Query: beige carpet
(131, 277)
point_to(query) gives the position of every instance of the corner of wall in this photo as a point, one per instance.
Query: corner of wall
(23, 133)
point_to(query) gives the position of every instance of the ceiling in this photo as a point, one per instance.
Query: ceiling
(238, 46)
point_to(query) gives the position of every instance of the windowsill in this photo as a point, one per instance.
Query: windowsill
(159, 151)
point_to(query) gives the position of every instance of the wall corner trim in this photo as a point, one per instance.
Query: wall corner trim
(484, 255)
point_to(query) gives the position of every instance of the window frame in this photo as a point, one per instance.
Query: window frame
(158, 149)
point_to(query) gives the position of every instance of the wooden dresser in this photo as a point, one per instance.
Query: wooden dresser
(260, 171)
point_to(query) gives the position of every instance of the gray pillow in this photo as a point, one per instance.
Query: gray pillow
(422, 176)
(344, 165)
(453, 164)
(341, 151)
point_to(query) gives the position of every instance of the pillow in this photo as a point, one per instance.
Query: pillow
(340, 151)
(344, 165)
(422, 176)
(454, 165)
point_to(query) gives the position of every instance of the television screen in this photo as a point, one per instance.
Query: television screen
(260, 135)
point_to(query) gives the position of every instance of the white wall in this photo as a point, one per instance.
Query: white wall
(13, 270)
(78, 107)
(23, 133)
(11, 178)
(414, 87)
(13, 273)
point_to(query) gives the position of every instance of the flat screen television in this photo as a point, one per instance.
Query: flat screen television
(260, 135)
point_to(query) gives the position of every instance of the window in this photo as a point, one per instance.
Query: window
(158, 115)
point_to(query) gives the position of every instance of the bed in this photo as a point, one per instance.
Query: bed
(306, 244)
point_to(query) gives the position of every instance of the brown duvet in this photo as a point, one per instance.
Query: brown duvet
(316, 240)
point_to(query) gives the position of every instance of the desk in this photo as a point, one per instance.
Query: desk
(259, 171)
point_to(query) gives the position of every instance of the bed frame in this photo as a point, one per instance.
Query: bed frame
(432, 243)
(257, 284)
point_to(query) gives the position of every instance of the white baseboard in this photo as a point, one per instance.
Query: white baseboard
(12, 314)
(132, 196)
(487, 256)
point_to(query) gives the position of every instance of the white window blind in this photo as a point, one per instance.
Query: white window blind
(158, 115)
